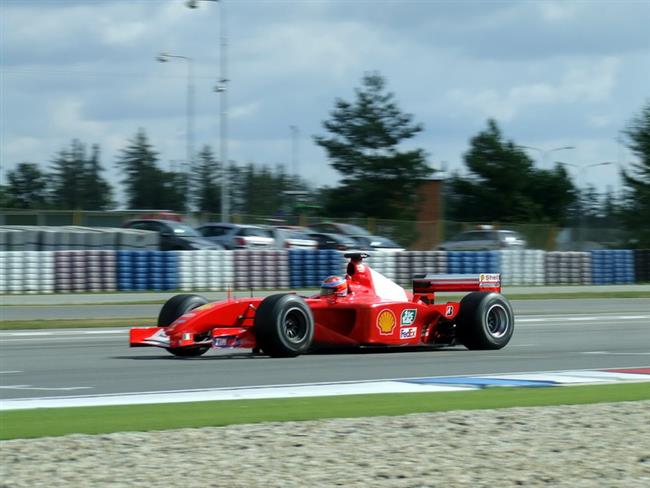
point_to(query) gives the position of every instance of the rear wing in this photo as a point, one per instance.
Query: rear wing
(433, 283)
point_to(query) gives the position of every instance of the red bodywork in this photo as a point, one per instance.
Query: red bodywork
(376, 312)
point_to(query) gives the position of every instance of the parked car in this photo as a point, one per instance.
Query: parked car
(173, 235)
(292, 238)
(336, 228)
(363, 239)
(332, 241)
(235, 236)
(376, 243)
(484, 240)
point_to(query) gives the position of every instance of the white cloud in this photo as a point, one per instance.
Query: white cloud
(579, 84)
(123, 32)
(553, 11)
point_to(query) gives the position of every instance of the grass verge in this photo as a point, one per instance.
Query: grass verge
(76, 323)
(103, 420)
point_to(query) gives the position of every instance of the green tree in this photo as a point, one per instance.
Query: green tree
(378, 179)
(66, 177)
(637, 181)
(27, 187)
(76, 181)
(205, 182)
(145, 184)
(175, 186)
(96, 192)
(4, 197)
(504, 186)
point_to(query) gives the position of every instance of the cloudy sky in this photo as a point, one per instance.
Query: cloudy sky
(552, 73)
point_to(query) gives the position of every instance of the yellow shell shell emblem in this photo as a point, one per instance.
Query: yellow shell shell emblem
(386, 322)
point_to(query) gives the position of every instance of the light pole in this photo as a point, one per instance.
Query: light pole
(582, 178)
(189, 134)
(294, 149)
(222, 89)
(546, 152)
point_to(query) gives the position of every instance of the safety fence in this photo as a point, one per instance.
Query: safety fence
(106, 271)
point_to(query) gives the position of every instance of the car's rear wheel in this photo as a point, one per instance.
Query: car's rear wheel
(176, 307)
(485, 321)
(284, 325)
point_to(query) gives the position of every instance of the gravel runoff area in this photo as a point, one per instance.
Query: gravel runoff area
(601, 445)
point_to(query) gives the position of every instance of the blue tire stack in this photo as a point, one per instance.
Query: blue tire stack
(454, 262)
(169, 271)
(612, 266)
(140, 270)
(156, 270)
(602, 267)
(296, 266)
(487, 262)
(310, 273)
(473, 262)
(623, 266)
(307, 268)
(124, 265)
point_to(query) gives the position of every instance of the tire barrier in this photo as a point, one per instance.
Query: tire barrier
(205, 270)
(104, 271)
(146, 271)
(642, 265)
(473, 262)
(408, 263)
(26, 272)
(612, 267)
(307, 268)
(261, 269)
(385, 263)
(83, 271)
(521, 267)
(568, 268)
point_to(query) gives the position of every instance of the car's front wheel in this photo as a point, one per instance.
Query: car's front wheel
(176, 307)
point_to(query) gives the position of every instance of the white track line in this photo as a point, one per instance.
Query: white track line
(407, 385)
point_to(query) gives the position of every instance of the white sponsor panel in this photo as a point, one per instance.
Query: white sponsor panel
(408, 332)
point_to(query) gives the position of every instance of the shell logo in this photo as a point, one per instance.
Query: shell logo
(386, 322)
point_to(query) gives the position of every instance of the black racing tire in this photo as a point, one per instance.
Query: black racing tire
(172, 309)
(485, 321)
(284, 325)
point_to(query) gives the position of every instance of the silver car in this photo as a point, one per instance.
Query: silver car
(292, 238)
(235, 236)
(484, 240)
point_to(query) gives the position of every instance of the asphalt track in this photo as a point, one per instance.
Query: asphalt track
(550, 335)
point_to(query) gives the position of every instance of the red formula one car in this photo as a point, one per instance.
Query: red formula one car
(363, 309)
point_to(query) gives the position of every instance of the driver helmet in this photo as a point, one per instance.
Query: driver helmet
(334, 286)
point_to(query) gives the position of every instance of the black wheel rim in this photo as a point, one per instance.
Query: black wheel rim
(294, 326)
(498, 321)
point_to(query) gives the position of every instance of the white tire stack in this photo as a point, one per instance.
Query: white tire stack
(47, 272)
(14, 263)
(200, 271)
(185, 270)
(3, 271)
